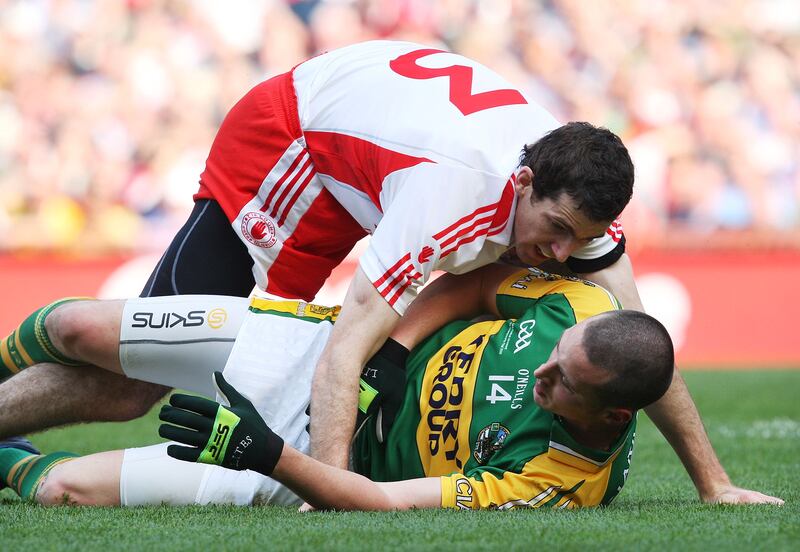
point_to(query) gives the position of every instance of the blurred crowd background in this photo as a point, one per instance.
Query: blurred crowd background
(108, 108)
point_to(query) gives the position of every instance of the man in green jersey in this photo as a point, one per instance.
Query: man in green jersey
(534, 406)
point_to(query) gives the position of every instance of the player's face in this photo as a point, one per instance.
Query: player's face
(549, 228)
(564, 383)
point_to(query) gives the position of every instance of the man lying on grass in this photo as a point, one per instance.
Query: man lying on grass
(535, 407)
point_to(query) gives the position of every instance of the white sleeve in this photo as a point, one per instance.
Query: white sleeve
(599, 253)
(436, 217)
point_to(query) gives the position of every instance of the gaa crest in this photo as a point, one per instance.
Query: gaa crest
(490, 440)
(258, 229)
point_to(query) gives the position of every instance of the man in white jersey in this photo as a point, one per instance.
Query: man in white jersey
(421, 149)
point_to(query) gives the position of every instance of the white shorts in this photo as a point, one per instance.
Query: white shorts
(272, 363)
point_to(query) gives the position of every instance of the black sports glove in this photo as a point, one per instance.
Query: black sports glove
(382, 387)
(234, 437)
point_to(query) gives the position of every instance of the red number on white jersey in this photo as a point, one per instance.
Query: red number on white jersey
(460, 77)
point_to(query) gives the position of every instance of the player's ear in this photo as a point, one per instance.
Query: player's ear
(524, 179)
(618, 416)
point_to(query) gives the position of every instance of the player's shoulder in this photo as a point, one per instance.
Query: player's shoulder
(584, 297)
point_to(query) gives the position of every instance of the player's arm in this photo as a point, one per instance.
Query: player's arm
(618, 279)
(363, 325)
(675, 414)
(451, 297)
(236, 437)
(382, 384)
(326, 487)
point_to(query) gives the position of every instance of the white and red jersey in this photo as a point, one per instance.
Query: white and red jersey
(413, 145)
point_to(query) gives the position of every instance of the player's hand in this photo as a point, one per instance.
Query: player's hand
(382, 387)
(233, 437)
(736, 495)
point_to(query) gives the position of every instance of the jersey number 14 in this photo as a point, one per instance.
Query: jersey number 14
(497, 393)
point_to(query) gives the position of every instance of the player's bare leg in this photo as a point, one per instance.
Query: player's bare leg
(69, 332)
(88, 331)
(130, 477)
(47, 395)
(87, 334)
(61, 478)
(50, 395)
(85, 481)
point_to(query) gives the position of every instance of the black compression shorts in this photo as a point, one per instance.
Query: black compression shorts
(205, 257)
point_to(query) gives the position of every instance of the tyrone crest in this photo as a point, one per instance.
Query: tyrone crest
(258, 229)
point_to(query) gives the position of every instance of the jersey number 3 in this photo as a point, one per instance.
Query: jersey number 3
(460, 77)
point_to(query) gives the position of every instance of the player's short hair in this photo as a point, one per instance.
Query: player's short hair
(637, 350)
(589, 163)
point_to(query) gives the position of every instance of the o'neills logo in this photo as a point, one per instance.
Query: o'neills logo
(258, 229)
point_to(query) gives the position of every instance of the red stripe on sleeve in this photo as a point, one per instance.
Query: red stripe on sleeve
(405, 258)
(399, 293)
(393, 283)
(464, 241)
(464, 219)
(469, 229)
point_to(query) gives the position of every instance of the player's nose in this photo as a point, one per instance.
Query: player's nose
(542, 371)
(562, 249)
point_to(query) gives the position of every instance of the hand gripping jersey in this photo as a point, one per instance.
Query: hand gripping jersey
(413, 145)
(469, 415)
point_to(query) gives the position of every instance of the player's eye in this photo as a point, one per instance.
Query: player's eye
(561, 228)
(564, 382)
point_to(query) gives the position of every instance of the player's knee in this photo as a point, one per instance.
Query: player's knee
(71, 328)
(87, 330)
(59, 488)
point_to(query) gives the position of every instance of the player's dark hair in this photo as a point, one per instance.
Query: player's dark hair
(637, 350)
(589, 163)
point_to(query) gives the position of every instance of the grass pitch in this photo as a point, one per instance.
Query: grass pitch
(753, 419)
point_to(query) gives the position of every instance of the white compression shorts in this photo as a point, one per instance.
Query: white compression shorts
(272, 363)
(180, 340)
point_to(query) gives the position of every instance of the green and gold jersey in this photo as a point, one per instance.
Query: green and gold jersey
(469, 416)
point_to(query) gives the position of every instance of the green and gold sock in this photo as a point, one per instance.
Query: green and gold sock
(29, 344)
(24, 471)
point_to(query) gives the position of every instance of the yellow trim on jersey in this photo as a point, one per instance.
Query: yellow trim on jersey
(445, 399)
(586, 298)
(566, 455)
(297, 308)
(544, 480)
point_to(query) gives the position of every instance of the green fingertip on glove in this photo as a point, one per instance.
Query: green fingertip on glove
(366, 395)
(234, 437)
